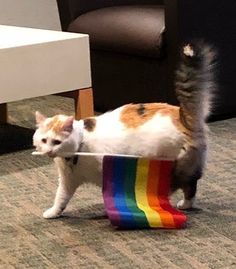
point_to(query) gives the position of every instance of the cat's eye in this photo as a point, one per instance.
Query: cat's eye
(56, 142)
(44, 140)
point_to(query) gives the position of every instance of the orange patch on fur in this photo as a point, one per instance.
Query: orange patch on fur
(56, 125)
(135, 115)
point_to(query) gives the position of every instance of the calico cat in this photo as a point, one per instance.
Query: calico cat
(152, 130)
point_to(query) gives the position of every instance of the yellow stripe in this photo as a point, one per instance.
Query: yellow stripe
(141, 194)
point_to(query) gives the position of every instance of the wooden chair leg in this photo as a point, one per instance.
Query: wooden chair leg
(3, 113)
(84, 106)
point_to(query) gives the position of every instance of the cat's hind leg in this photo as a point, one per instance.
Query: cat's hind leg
(189, 189)
(189, 168)
(189, 195)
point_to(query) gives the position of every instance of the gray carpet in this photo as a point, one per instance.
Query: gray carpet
(84, 238)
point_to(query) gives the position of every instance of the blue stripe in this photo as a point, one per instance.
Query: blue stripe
(127, 219)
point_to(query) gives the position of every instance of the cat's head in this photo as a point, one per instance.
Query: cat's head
(55, 135)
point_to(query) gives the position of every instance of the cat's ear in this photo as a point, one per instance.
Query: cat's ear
(39, 117)
(68, 124)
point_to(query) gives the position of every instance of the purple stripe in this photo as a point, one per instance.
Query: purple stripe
(108, 195)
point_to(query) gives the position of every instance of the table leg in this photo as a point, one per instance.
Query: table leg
(3, 113)
(84, 106)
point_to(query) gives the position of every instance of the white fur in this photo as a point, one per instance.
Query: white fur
(185, 204)
(156, 138)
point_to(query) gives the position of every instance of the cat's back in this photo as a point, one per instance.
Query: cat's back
(142, 115)
(138, 118)
(138, 129)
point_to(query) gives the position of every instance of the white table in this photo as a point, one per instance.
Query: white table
(35, 62)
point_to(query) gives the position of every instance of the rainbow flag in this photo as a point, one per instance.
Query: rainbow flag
(136, 193)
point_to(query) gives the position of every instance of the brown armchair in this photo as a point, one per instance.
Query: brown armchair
(135, 43)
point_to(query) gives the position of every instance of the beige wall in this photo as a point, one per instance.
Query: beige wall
(30, 13)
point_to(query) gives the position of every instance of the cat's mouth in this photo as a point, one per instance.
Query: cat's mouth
(51, 154)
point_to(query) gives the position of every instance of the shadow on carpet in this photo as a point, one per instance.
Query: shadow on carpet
(14, 138)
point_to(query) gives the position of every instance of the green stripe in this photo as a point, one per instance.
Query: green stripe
(129, 188)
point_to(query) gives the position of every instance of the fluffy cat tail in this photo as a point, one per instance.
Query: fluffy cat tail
(194, 84)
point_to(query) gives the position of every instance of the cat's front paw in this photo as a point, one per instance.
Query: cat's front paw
(51, 213)
(185, 204)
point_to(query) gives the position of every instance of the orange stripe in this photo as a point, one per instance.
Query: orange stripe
(152, 191)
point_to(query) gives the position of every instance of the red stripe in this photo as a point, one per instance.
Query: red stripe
(152, 194)
(163, 193)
